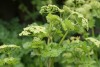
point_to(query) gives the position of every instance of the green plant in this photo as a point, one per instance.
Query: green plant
(8, 58)
(88, 8)
(64, 41)
(54, 41)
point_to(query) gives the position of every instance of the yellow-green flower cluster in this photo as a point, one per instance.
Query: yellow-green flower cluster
(49, 9)
(33, 30)
(8, 49)
(95, 41)
(8, 60)
(9, 46)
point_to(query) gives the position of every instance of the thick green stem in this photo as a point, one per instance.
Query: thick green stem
(63, 38)
(50, 62)
(48, 40)
(41, 64)
(93, 32)
(69, 15)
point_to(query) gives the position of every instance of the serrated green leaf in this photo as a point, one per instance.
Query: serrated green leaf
(52, 50)
(54, 19)
(67, 25)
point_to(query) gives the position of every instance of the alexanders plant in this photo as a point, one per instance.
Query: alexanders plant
(55, 38)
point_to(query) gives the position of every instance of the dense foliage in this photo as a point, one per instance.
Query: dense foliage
(64, 37)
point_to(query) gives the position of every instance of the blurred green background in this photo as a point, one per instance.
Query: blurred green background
(17, 14)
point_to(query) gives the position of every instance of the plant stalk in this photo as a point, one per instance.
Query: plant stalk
(63, 38)
(50, 62)
(93, 32)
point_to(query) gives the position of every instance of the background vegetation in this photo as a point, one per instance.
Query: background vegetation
(15, 50)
